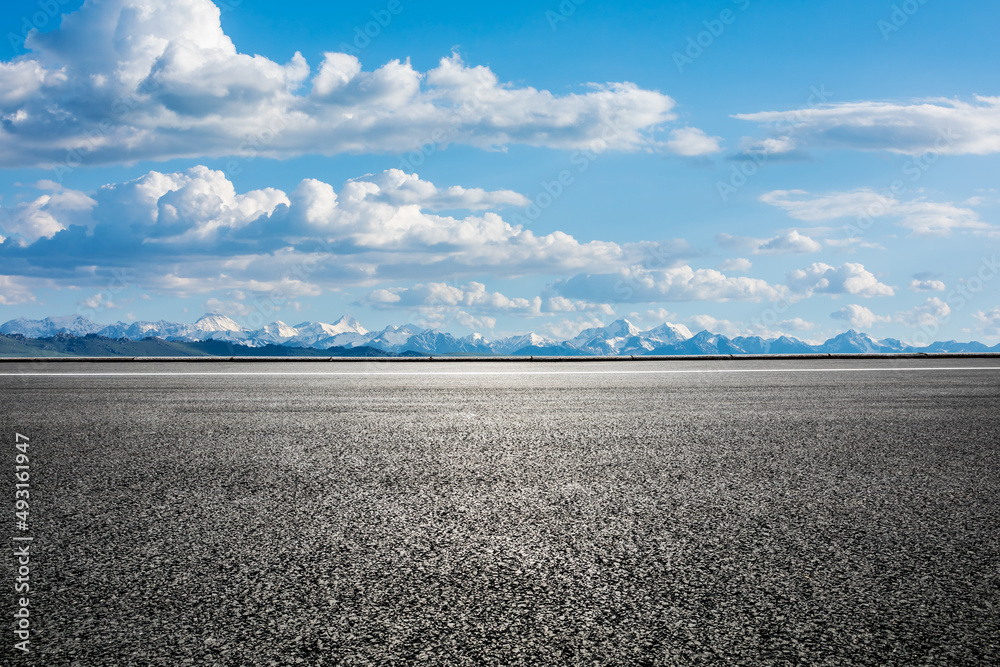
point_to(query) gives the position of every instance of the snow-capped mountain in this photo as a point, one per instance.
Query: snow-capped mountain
(620, 337)
(345, 332)
(514, 343)
(276, 333)
(50, 326)
(393, 339)
(605, 340)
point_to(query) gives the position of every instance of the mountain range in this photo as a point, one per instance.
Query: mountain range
(620, 337)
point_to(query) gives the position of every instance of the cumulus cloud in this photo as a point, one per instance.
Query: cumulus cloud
(475, 297)
(191, 232)
(989, 321)
(732, 329)
(849, 278)
(400, 189)
(476, 323)
(178, 87)
(927, 315)
(787, 243)
(940, 126)
(567, 329)
(638, 284)
(923, 217)
(691, 141)
(927, 286)
(656, 317)
(99, 301)
(859, 317)
(15, 290)
(44, 216)
(727, 328)
(792, 242)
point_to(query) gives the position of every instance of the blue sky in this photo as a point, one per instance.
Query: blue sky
(747, 167)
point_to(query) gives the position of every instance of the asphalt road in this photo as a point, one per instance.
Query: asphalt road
(800, 512)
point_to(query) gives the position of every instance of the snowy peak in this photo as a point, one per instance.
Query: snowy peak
(276, 332)
(851, 341)
(347, 324)
(621, 329)
(216, 322)
(669, 333)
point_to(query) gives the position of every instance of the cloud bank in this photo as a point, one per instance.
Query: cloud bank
(126, 80)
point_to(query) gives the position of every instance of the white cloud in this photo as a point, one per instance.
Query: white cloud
(849, 278)
(733, 329)
(989, 321)
(197, 206)
(190, 232)
(802, 205)
(178, 87)
(474, 296)
(927, 286)
(859, 317)
(737, 264)
(236, 305)
(796, 324)
(921, 216)
(792, 242)
(690, 141)
(852, 243)
(637, 284)
(940, 126)
(476, 323)
(769, 146)
(400, 189)
(44, 216)
(15, 290)
(789, 242)
(567, 329)
(655, 316)
(928, 315)
(99, 301)
(725, 327)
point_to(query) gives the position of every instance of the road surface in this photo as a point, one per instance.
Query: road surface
(828, 512)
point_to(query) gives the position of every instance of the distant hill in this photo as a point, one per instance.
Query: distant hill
(92, 345)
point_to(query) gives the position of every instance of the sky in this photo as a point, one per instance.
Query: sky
(746, 167)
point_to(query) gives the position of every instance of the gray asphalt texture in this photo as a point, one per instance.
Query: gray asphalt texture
(607, 518)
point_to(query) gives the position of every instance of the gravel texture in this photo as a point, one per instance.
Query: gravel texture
(596, 519)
